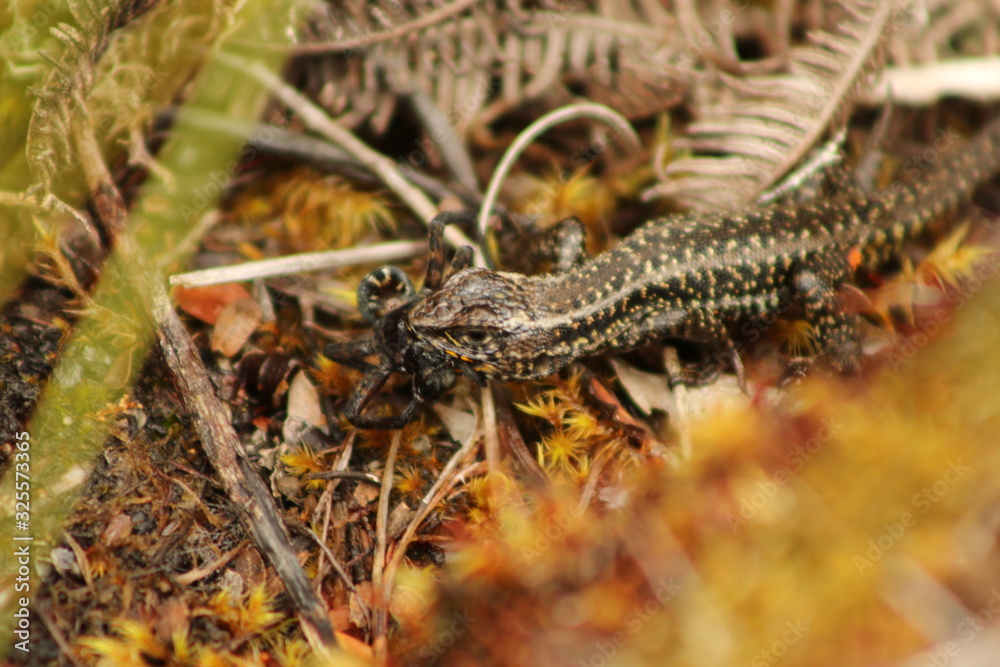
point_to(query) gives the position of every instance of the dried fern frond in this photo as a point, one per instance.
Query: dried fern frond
(480, 59)
(747, 143)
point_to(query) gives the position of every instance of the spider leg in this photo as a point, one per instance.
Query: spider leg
(351, 354)
(436, 273)
(461, 260)
(369, 386)
(363, 393)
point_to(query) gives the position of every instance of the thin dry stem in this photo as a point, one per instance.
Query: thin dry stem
(317, 120)
(379, 584)
(532, 132)
(308, 261)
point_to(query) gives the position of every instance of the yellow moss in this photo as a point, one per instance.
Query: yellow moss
(790, 536)
(293, 653)
(553, 197)
(559, 452)
(323, 212)
(131, 641)
(408, 480)
(544, 406)
(951, 262)
(799, 336)
(251, 616)
(315, 211)
(304, 461)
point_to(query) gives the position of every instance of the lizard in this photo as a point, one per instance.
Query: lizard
(683, 277)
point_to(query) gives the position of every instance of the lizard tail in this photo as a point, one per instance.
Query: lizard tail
(938, 183)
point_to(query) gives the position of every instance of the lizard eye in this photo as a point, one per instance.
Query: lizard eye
(474, 336)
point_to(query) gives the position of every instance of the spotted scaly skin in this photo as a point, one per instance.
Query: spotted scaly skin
(684, 277)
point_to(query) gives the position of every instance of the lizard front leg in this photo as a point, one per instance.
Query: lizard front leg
(814, 286)
(697, 326)
(556, 249)
(564, 244)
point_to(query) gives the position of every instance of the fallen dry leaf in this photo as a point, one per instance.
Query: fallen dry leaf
(206, 303)
(234, 326)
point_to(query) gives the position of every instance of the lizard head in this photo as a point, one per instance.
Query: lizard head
(480, 323)
(480, 318)
(465, 325)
